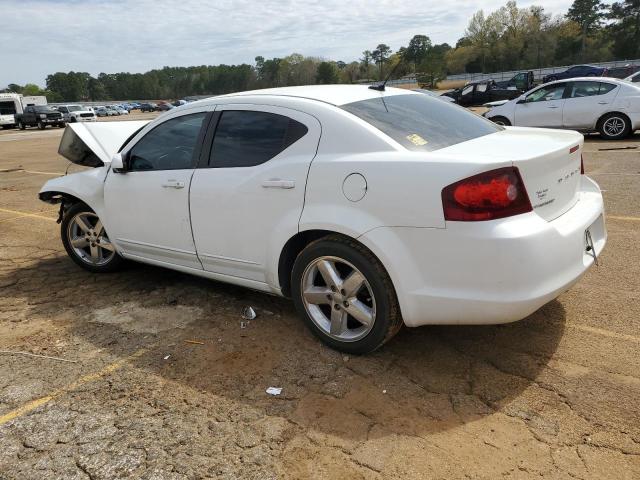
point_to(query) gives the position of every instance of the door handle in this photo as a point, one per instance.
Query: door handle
(603, 103)
(173, 184)
(552, 106)
(278, 183)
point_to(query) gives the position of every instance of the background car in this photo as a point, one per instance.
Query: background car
(77, 113)
(163, 107)
(101, 111)
(635, 78)
(576, 71)
(148, 107)
(477, 93)
(368, 208)
(606, 105)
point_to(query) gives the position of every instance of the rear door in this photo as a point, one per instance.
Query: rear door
(148, 205)
(247, 200)
(586, 101)
(542, 107)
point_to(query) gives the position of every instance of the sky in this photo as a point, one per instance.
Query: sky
(40, 37)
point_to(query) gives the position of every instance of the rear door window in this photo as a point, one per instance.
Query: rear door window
(246, 138)
(606, 88)
(421, 123)
(583, 89)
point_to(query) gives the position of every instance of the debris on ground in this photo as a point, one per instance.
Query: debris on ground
(194, 342)
(274, 391)
(166, 357)
(27, 354)
(248, 313)
(628, 147)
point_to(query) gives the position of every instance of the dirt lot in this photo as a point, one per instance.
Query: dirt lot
(555, 395)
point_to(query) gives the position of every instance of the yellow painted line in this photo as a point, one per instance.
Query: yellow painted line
(92, 377)
(614, 217)
(607, 333)
(26, 214)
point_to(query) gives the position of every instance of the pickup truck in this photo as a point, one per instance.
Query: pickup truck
(478, 93)
(40, 116)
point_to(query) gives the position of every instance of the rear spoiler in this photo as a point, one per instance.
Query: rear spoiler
(93, 144)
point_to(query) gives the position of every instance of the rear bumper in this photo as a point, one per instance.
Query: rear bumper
(489, 272)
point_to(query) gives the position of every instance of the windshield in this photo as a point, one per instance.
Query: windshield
(44, 109)
(420, 122)
(75, 108)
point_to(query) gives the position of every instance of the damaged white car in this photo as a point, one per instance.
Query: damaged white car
(370, 208)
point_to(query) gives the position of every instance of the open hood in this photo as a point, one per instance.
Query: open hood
(93, 144)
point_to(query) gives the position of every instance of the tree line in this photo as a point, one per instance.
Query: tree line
(509, 38)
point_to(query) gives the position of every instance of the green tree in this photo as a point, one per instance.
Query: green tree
(380, 56)
(625, 29)
(417, 50)
(588, 15)
(31, 89)
(327, 73)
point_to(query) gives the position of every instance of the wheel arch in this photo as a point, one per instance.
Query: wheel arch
(297, 243)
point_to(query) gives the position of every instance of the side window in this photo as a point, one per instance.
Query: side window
(583, 89)
(544, 94)
(29, 110)
(169, 146)
(247, 138)
(482, 87)
(467, 90)
(607, 87)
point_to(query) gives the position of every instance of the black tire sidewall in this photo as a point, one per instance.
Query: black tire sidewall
(114, 264)
(625, 133)
(505, 121)
(376, 337)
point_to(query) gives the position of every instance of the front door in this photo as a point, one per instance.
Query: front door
(248, 200)
(542, 107)
(147, 206)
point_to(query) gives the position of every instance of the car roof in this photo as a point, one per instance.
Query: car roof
(332, 94)
(588, 79)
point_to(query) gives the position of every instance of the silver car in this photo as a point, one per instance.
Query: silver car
(606, 105)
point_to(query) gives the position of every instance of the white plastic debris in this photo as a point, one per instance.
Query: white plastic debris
(274, 391)
(243, 324)
(167, 357)
(248, 313)
(384, 391)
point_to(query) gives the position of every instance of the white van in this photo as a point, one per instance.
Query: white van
(12, 103)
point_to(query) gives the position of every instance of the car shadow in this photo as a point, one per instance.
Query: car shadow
(426, 380)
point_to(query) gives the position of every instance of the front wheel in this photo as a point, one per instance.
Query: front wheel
(21, 125)
(344, 295)
(614, 126)
(41, 125)
(86, 241)
(501, 121)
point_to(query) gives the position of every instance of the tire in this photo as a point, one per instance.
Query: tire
(21, 125)
(501, 121)
(61, 125)
(41, 126)
(105, 260)
(614, 126)
(552, 78)
(73, 120)
(374, 298)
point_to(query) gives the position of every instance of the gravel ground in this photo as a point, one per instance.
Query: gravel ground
(165, 383)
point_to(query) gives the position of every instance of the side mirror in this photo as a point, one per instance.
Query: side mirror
(522, 99)
(117, 163)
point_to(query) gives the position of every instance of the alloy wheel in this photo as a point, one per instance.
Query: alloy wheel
(89, 240)
(338, 299)
(614, 126)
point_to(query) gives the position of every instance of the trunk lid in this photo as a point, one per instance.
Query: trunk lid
(93, 144)
(548, 161)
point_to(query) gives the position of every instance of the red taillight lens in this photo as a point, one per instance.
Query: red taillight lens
(494, 194)
(581, 165)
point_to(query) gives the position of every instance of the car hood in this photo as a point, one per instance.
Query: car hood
(93, 144)
(78, 112)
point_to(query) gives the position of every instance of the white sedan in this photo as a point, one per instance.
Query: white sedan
(371, 209)
(605, 105)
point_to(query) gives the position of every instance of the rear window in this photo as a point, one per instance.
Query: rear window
(420, 122)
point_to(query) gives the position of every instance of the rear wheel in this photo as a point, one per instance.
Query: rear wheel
(41, 125)
(501, 121)
(86, 241)
(21, 125)
(614, 126)
(344, 295)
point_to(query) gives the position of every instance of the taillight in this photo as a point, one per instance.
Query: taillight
(494, 194)
(581, 165)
